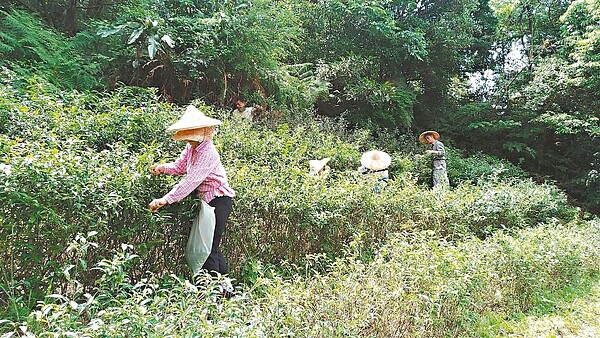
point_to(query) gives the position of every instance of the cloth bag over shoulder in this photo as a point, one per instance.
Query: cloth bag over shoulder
(199, 243)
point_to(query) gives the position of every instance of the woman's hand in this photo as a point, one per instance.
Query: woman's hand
(157, 169)
(431, 152)
(157, 204)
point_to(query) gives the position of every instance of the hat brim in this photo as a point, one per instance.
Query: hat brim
(434, 133)
(189, 125)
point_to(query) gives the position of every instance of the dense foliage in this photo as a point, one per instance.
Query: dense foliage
(403, 65)
(87, 88)
(75, 186)
(416, 284)
(544, 113)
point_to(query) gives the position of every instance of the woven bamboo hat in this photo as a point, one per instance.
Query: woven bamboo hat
(433, 133)
(375, 160)
(193, 119)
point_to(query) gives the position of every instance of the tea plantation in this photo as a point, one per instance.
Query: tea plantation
(82, 256)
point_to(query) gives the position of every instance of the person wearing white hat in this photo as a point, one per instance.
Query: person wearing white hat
(318, 167)
(438, 153)
(204, 174)
(375, 163)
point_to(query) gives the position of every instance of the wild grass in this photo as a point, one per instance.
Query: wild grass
(414, 286)
(571, 312)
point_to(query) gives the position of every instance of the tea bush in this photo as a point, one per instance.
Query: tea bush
(76, 163)
(71, 170)
(467, 169)
(416, 284)
(477, 166)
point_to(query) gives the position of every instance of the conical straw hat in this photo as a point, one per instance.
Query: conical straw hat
(375, 160)
(316, 165)
(429, 132)
(193, 119)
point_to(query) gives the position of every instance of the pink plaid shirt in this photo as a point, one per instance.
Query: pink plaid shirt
(204, 173)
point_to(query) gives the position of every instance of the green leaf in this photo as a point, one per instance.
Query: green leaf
(135, 35)
(105, 32)
(153, 46)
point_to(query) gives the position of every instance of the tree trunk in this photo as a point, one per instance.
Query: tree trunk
(70, 22)
(531, 39)
(45, 13)
(94, 6)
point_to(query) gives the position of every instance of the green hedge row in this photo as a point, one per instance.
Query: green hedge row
(75, 163)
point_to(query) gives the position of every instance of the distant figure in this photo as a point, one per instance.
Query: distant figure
(318, 167)
(242, 112)
(375, 163)
(440, 177)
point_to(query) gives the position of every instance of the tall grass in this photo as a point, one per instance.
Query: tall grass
(415, 285)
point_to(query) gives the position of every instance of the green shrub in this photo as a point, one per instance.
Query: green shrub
(77, 163)
(472, 168)
(477, 166)
(415, 285)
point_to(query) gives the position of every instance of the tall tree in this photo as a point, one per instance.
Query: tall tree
(220, 49)
(407, 50)
(545, 113)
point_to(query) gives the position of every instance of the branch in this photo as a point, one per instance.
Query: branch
(100, 5)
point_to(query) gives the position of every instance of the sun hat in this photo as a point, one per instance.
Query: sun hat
(375, 160)
(193, 119)
(433, 133)
(315, 166)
